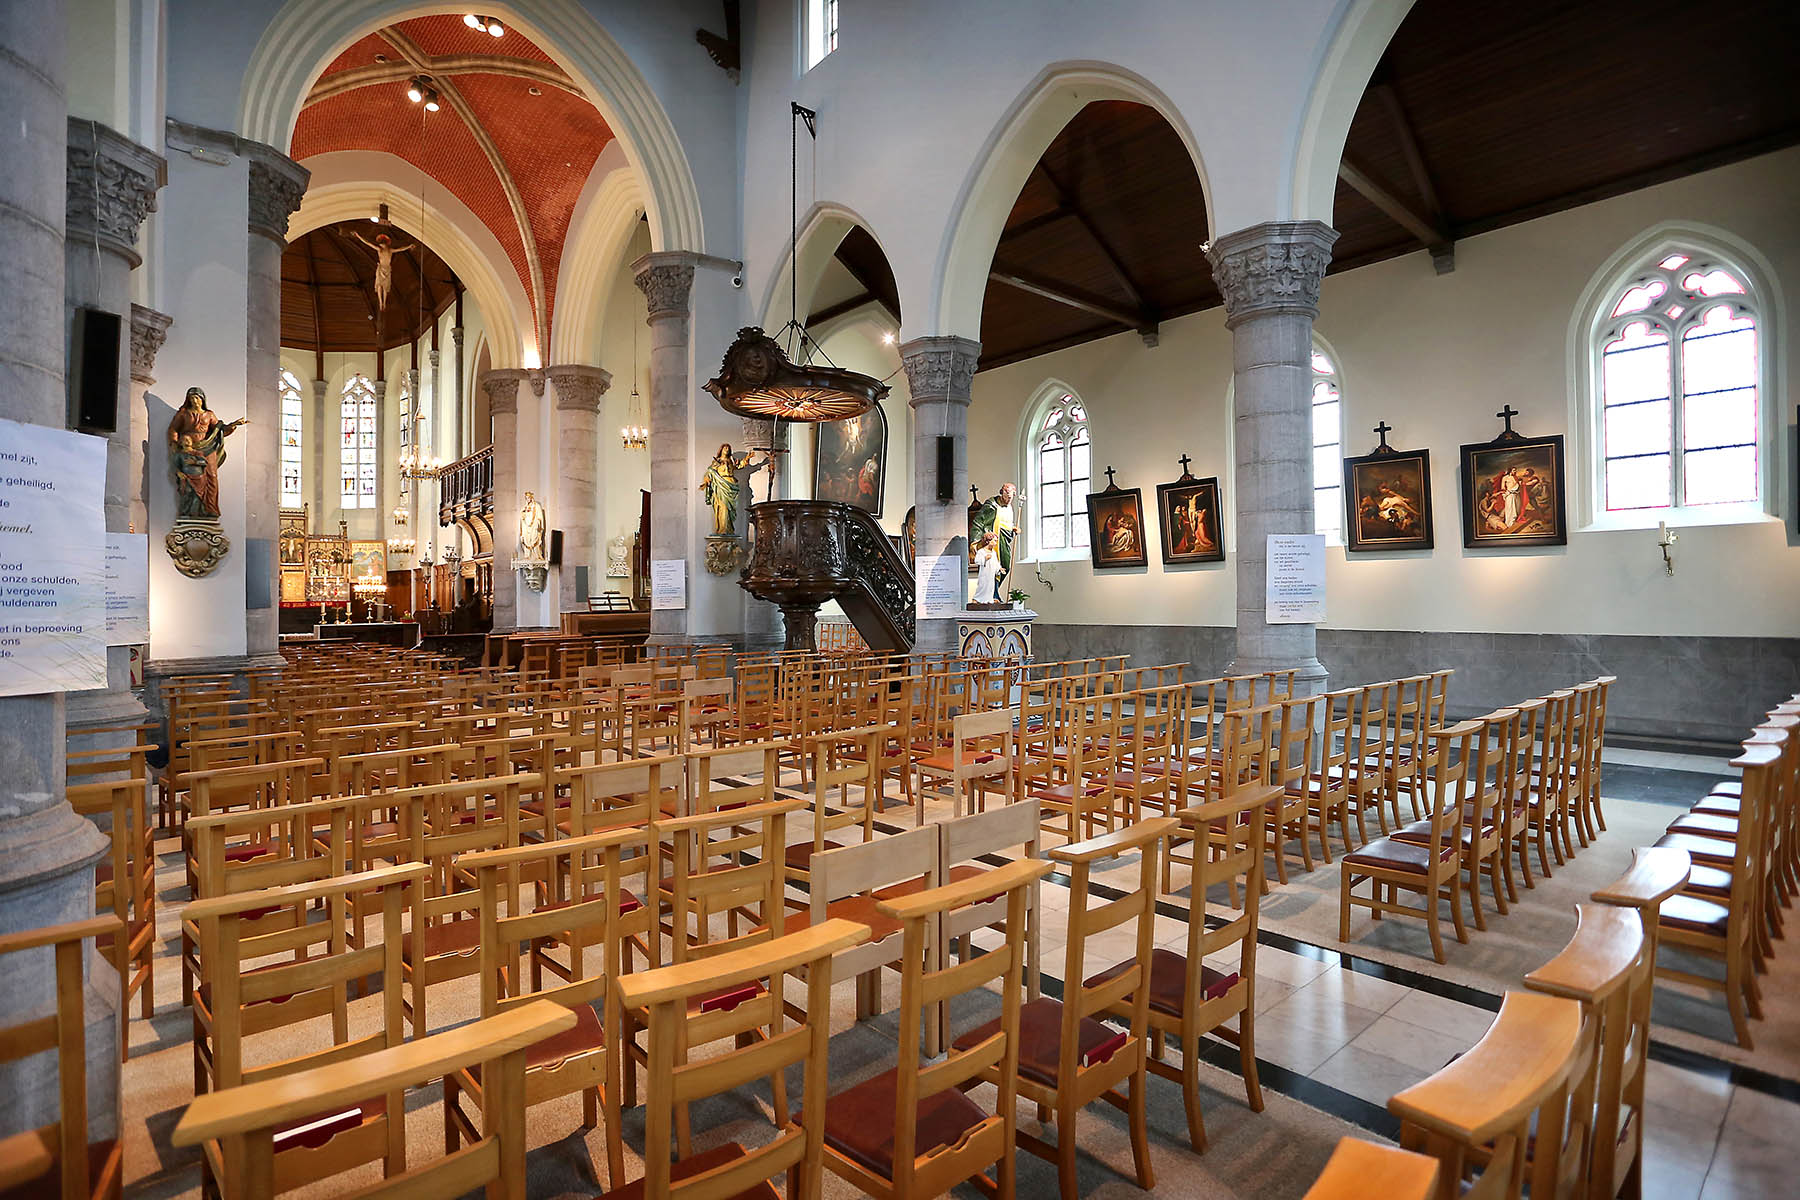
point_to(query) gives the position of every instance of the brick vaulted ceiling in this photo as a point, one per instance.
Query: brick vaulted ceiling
(514, 138)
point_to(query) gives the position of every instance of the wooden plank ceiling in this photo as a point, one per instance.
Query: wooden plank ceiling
(328, 301)
(1479, 116)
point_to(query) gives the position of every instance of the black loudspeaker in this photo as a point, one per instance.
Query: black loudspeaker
(556, 547)
(946, 469)
(94, 371)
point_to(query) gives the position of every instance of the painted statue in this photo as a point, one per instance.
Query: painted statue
(384, 249)
(531, 531)
(719, 487)
(196, 450)
(996, 516)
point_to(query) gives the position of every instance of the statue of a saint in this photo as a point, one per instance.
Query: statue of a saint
(531, 531)
(719, 487)
(996, 516)
(384, 249)
(196, 448)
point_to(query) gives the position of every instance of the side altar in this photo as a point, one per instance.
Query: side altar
(995, 633)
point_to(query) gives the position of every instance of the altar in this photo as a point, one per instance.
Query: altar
(995, 633)
(404, 634)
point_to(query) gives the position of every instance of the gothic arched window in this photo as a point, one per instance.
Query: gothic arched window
(1059, 470)
(293, 429)
(358, 467)
(1328, 447)
(1678, 388)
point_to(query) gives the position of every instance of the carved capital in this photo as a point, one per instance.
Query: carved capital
(1272, 269)
(502, 387)
(277, 184)
(579, 388)
(112, 183)
(940, 368)
(149, 329)
(667, 280)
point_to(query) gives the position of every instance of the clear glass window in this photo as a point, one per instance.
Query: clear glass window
(1328, 448)
(1062, 475)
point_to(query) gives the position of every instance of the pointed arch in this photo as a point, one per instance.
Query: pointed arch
(822, 228)
(1348, 54)
(1056, 429)
(608, 213)
(1007, 158)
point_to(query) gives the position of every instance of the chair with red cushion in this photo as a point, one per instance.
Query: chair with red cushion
(978, 762)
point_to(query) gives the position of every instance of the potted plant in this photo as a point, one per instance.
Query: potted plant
(1018, 598)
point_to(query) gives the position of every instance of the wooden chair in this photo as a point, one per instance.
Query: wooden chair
(125, 888)
(57, 1159)
(1188, 999)
(1365, 767)
(850, 758)
(1328, 781)
(978, 761)
(1292, 766)
(1476, 1115)
(1723, 927)
(1246, 749)
(911, 1131)
(237, 1002)
(1357, 1170)
(252, 1116)
(1067, 1058)
(1547, 787)
(1070, 768)
(704, 711)
(1406, 745)
(848, 882)
(1431, 867)
(1145, 766)
(965, 848)
(594, 906)
(693, 1004)
(1485, 811)
(620, 794)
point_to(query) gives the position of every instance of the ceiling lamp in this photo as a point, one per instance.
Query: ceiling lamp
(420, 91)
(635, 433)
(479, 23)
(760, 379)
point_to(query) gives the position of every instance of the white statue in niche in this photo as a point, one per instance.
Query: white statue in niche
(531, 531)
(618, 557)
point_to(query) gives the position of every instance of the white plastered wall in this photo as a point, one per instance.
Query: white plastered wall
(1436, 357)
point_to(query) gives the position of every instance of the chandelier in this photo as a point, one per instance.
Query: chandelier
(418, 466)
(401, 540)
(759, 378)
(635, 433)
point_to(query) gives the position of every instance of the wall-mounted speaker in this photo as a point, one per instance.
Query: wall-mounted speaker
(946, 469)
(94, 371)
(556, 547)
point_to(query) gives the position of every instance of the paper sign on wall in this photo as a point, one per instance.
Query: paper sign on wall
(1294, 588)
(668, 583)
(52, 560)
(127, 589)
(940, 585)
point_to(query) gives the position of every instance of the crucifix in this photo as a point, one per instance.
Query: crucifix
(1381, 431)
(1184, 460)
(1507, 414)
(1110, 485)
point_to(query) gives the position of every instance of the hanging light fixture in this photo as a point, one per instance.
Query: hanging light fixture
(481, 24)
(759, 378)
(419, 90)
(635, 433)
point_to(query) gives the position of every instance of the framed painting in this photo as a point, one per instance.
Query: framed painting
(1513, 492)
(1116, 527)
(1387, 501)
(368, 563)
(850, 460)
(1187, 514)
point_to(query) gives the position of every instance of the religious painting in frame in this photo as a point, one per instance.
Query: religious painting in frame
(850, 460)
(1513, 491)
(1187, 515)
(1387, 500)
(1116, 527)
(368, 563)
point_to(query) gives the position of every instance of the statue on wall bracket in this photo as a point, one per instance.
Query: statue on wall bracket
(720, 488)
(197, 542)
(533, 558)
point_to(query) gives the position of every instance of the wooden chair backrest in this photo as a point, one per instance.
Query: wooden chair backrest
(243, 750)
(1357, 1170)
(630, 791)
(726, 862)
(63, 1145)
(384, 770)
(1480, 1108)
(255, 785)
(676, 1022)
(923, 989)
(1295, 738)
(982, 744)
(709, 772)
(1229, 839)
(849, 758)
(1449, 756)
(249, 1115)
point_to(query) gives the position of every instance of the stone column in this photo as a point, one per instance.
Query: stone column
(502, 387)
(667, 279)
(939, 372)
(47, 853)
(276, 186)
(1269, 275)
(461, 445)
(112, 183)
(427, 533)
(325, 440)
(149, 329)
(578, 398)
(384, 519)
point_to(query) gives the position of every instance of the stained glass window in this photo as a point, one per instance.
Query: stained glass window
(1679, 383)
(1328, 448)
(1062, 475)
(293, 428)
(358, 425)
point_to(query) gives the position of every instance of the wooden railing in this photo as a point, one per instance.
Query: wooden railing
(466, 488)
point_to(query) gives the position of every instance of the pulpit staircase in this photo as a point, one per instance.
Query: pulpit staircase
(806, 552)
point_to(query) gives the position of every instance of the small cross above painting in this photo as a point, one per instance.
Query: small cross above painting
(1387, 498)
(1116, 526)
(1188, 514)
(1512, 490)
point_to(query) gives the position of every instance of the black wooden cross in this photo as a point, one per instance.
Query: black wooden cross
(974, 494)
(1507, 414)
(1185, 460)
(1382, 430)
(1109, 479)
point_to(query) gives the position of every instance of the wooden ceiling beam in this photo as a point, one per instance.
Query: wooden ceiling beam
(1034, 224)
(833, 311)
(1066, 200)
(871, 286)
(1432, 234)
(1062, 293)
(1443, 255)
